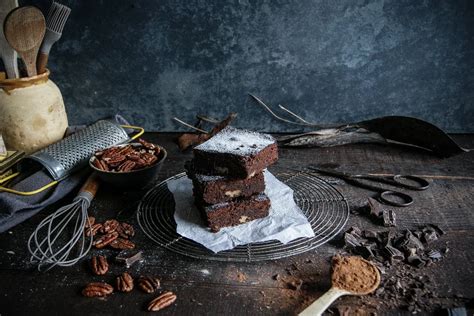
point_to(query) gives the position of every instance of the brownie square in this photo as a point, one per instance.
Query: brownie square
(218, 189)
(235, 212)
(235, 153)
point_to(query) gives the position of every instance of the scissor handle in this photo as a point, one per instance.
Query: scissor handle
(387, 197)
(421, 185)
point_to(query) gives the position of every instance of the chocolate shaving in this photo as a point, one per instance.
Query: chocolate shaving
(191, 139)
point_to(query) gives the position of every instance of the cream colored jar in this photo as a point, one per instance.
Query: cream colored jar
(32, 113)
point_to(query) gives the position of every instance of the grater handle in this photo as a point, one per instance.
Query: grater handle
(91, 186)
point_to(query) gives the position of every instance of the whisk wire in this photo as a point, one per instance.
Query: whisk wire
(43, 242)
(49, 231)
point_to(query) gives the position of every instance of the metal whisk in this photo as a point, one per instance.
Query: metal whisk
(61, 239)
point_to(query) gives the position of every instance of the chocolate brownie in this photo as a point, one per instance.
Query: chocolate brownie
(217, 189)
(235, 153)
(236, 212)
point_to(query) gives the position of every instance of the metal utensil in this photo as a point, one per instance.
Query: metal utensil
(24, 30)
(55, 21)
(7, 53)
(61, 239)
(68, 155)
(386, 196)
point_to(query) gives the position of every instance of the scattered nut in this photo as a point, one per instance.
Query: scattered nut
(104, 240)
(162, 301)
(109, 226)
(97, 289)
(122, 244)
(99, 265)
(148, 284)
(124, 282)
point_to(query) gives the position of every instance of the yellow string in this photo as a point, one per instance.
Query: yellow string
(13, 175)
(140, 129)
(53, 183)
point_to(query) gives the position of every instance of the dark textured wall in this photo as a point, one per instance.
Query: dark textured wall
(330, 61)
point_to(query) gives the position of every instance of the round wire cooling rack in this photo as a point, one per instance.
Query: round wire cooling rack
(324, 206)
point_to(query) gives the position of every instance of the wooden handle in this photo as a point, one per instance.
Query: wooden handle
(91, 185)
(322, 303)
(29, 58)
(42, 62)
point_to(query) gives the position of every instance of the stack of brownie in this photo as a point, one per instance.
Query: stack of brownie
(227, 175)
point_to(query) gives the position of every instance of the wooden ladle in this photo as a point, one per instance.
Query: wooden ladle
(24, 30)
(351, 276)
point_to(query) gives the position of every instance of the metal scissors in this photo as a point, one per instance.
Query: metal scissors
(394, 198)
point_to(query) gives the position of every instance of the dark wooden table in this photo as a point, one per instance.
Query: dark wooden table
(216, 288)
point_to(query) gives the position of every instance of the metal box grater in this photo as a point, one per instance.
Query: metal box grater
(73, 152)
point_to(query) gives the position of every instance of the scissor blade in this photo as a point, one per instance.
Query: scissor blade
(330, 172)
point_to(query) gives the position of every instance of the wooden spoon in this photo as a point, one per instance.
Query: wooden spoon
(351, 276)
(24, 30)
(7, 53)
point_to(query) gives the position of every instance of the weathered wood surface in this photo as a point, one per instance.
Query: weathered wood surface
(217, 288)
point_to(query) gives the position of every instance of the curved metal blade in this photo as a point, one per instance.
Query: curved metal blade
(413, 131)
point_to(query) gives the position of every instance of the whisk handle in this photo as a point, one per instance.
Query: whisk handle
(91, 186)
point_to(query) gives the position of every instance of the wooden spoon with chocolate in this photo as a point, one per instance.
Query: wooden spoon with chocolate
(350, 276)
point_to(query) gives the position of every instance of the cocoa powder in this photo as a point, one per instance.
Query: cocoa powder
(354, 274)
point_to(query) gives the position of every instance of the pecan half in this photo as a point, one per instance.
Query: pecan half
(124, 282)
(109, 226)
(104, 240)
(101, 165)
(125, 230)
(146, 144)
(148, 284)
(121, 243)
(108, 153)
(97, 289)
(99, 265)
(126, 166)
(116, 160)
(162, 301)
(92, 231)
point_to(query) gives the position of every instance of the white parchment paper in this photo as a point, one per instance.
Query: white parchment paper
(285, 222)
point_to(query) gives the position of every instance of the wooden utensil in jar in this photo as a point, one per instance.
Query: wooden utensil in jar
(7, 53)
(24, 30)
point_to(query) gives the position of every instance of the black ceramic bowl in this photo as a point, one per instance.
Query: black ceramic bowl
(131, 179)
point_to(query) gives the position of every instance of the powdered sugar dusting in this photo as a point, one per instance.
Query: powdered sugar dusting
(206, 178)
(237, 142)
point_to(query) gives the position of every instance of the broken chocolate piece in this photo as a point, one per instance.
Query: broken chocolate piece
(389, 218)
(375, 208)
(393, 254)
(129, 257)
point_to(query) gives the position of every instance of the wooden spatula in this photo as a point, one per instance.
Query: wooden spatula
(7, 53)
(24, 30)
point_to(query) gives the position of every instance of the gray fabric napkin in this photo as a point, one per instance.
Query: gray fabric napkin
(15, 209)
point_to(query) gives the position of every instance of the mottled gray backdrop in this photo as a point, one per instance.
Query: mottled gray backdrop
(329, 61)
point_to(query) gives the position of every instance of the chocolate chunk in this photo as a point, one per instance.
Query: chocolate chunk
(351, 241)
(375, 208)
(393, 254)
(389, 218)
(128, 257)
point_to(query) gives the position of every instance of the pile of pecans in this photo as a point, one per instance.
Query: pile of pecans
(125, 283)
(110, 233)
(127, 158)
(116, 235)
